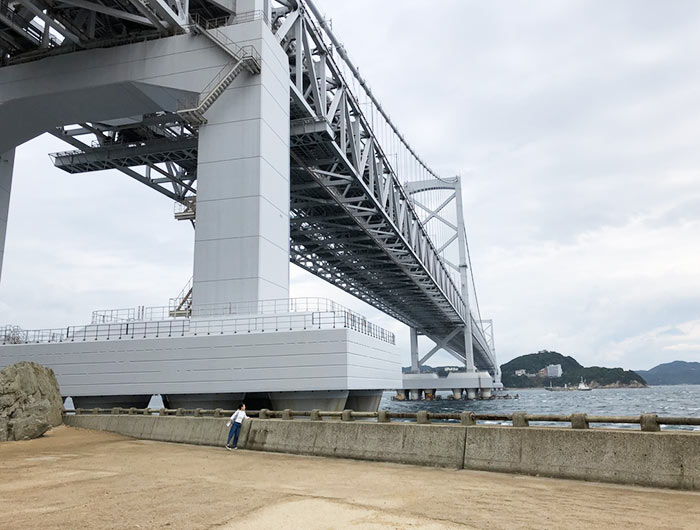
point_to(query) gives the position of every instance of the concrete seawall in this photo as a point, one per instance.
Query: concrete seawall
(660, 459)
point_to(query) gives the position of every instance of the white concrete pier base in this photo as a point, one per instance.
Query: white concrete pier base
(471, 393)
(415, 394)
(485, 393)
(6, 165)
(457, 393)
(364, 400)
(330, 400)
(223, 400)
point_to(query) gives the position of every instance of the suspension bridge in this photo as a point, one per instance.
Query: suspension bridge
(252, 118)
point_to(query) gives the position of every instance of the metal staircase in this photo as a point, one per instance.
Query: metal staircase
(244, 58)
(181, 305)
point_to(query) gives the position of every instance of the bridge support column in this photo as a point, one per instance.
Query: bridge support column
(468, 348)
(471, 393)
(241, 249)
(6, 165)
(415, 368)
(415, 394)
(464, 278)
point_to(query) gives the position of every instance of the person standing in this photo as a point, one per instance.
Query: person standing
(235, 422)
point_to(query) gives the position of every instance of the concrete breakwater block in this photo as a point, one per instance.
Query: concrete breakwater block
(427, 445)
(30, 401)
(191, 430)
(660, 459)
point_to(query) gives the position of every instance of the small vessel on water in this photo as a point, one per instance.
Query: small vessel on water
(583, 386)
(564, 388)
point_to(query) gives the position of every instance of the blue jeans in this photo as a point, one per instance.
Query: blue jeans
(233, 433)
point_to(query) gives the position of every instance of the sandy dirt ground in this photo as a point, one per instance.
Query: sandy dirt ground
(80, 479)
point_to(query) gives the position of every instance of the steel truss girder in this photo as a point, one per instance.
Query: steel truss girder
(120, 155)
(333, 144)
(112, 156)
(180, 186)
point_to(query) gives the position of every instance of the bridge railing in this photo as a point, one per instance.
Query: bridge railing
(271, 306)
(646, 422)
(191, 328)
(238, 18)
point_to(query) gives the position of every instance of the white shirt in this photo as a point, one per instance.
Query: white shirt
(238, 416)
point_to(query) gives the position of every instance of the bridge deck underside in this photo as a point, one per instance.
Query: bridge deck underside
(338, 234)
(330, 245)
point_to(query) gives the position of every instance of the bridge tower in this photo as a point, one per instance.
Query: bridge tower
(471, 382)
(250, 115)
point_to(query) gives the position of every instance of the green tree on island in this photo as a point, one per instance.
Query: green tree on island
(596, 376)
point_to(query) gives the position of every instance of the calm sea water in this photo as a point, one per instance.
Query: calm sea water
(681, 400)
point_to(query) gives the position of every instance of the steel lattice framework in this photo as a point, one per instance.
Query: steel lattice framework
(353, 223)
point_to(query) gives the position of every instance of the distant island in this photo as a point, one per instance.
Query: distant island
(544, 367)
(536, 370)
(673, 373)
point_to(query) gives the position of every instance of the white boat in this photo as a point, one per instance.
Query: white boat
(583, 386)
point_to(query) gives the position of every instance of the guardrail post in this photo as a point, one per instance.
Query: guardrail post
(161, 412)
(579, 421)
(383, 417)
(95, 411)
(520, 419)
(197, 412)
(649, 422)
(316, 415)
(217, 413)
(180, 412)
(132, 410)
(264, 414)
(346, 415)
(116, 410)
(146, 411)
(287, 414)
(468, 417)
(422, 416)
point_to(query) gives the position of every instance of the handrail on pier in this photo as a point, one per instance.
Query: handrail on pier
(647, 422)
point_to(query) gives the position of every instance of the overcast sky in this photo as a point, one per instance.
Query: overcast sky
(574, 124)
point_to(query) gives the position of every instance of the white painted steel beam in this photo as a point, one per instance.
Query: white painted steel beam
(6, 166)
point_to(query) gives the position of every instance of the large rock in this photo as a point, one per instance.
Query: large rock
(30, 401)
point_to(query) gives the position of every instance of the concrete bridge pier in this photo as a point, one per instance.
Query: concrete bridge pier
(331, 400)
(485, 393)
(471, 393)
(241, 247)
(139, 401)
(205, 401)
(364, 400)
(415, 394)
(457, 393)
